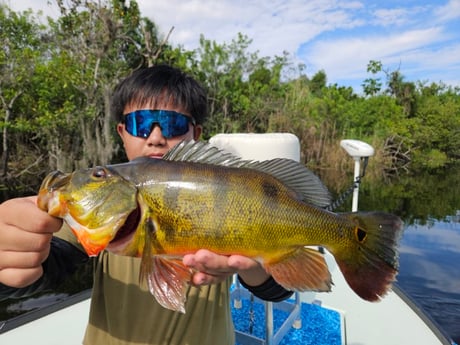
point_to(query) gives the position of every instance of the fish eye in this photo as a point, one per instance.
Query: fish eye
(360, 234)
(99, 172)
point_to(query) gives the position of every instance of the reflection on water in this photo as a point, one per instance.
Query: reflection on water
(429, 203)
(430, 273)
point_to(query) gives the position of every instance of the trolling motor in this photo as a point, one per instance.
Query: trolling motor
(359, 151)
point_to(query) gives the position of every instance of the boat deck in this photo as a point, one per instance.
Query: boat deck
(335, 318)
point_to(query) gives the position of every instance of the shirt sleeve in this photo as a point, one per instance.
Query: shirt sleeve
(270, 290)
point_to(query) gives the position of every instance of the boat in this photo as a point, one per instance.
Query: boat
(338, 317)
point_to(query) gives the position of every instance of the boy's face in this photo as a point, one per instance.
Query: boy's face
(155, 145)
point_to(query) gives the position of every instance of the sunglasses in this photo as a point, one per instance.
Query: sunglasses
(140, 123)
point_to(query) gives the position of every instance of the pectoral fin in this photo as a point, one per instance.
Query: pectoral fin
(167, 280)
(303, 269)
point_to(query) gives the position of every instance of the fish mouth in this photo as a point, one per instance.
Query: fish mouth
(126, 231)
(53, 182)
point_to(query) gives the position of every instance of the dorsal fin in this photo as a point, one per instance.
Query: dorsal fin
(202, 152)
(292, 174)
(297, 177)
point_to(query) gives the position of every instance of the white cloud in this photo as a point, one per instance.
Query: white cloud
(341, 35)
(394, 16)
(448, 12)
(274, 26)
(347, 58)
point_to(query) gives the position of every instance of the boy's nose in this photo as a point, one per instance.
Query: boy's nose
(156, 137)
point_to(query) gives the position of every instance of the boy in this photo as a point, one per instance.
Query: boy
(35, 255)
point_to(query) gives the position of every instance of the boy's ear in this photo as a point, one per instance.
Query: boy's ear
(120, 128)
(197, 130)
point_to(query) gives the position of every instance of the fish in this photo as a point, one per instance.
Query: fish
(200, 197)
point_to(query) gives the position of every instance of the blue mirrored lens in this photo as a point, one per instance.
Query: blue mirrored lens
(172, 124)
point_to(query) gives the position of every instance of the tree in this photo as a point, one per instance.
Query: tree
(435, 127)
(404, 92)
(57, 80)
(21, 39)
(318, 82)
(97, 44)
(241, 86)
(372, 86)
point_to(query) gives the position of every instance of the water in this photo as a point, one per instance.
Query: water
(430, 273)
(429, 203)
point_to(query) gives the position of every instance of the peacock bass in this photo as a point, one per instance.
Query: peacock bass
(198, 197)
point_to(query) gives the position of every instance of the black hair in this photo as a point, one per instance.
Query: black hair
(160, 83)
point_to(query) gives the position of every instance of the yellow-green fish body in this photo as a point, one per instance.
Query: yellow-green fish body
(199, 198)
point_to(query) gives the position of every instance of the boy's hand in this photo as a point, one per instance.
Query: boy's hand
(213, 268)
(25, 236)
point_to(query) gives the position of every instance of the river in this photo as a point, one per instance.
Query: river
(430, 273)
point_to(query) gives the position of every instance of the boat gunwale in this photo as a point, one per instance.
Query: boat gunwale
(434, 327)
(36, 314)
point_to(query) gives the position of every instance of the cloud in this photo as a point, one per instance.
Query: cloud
(338, 36)
(395, 16)
(347, 58)
(274, 26)
(448, 12)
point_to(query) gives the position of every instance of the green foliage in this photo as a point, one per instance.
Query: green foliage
(56, 80)
(372, 86)
(243, 88)
(22, 47)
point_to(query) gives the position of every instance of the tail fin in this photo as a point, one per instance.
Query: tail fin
(370, 267)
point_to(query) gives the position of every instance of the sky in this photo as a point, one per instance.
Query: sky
(420, 38)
